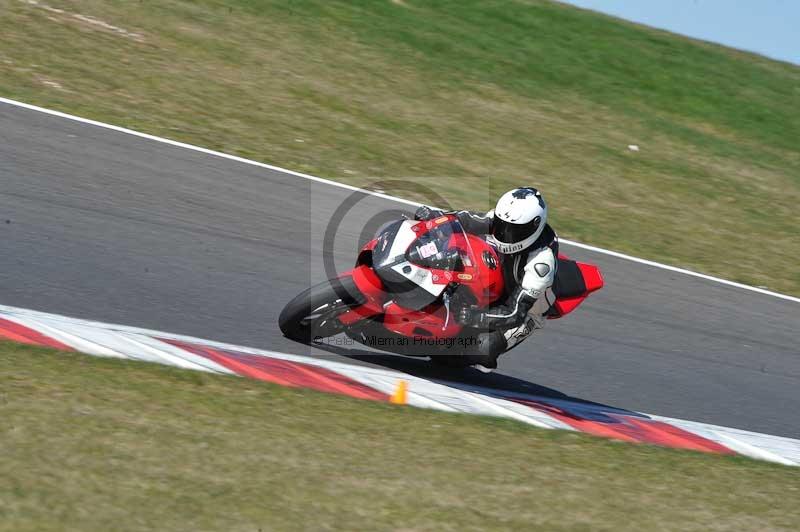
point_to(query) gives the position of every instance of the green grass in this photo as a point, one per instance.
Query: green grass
(471, 97)
(102, 444)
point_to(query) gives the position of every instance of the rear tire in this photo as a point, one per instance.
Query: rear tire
(312, 313)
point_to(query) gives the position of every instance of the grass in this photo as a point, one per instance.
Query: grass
(103, 444)
(469, 97)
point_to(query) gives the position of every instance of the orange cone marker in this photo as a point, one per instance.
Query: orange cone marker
(400, 395)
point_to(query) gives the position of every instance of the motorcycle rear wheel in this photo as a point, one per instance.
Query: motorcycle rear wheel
(312, 314)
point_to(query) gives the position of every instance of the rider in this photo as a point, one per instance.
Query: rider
(517, 227)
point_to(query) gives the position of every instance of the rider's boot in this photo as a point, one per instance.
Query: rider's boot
(492, 344)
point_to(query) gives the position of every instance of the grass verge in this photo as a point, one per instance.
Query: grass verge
(102, 444)
(478, 95)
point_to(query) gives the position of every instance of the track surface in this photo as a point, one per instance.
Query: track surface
(102, 225)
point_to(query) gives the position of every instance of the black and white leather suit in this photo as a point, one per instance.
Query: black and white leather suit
(529, 276)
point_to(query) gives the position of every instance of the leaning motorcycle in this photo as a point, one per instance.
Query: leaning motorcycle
(407, 284)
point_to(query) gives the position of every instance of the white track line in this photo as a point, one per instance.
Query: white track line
(378, 194)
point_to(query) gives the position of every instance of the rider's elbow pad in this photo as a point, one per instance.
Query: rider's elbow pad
(540, 272)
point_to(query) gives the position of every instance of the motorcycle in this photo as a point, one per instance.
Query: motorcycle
(407, 284)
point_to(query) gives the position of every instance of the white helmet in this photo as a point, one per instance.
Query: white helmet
(519, 219)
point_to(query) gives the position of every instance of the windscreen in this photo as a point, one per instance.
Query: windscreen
(441, 248)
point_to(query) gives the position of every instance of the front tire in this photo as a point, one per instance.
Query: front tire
(312, 314)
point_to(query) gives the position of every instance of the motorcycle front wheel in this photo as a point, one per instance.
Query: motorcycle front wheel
(312, 314)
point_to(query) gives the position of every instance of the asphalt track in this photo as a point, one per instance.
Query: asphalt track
(102, 225)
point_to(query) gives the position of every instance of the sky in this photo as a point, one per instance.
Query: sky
(767, 27)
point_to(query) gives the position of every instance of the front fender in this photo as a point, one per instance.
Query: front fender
(371, 288)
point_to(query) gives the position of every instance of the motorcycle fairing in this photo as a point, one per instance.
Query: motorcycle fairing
(414, 263)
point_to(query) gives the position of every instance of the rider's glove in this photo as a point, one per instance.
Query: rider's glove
(506, 316)
(472, 317)
(425, 213)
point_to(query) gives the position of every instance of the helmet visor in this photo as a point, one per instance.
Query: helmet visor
(510, 233)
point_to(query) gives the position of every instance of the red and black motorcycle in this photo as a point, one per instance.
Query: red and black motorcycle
(406, 283)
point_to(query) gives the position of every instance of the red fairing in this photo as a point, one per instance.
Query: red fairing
(425, 323)
(485, 282)
(371, 288)
(368, 284)
(481, 274)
